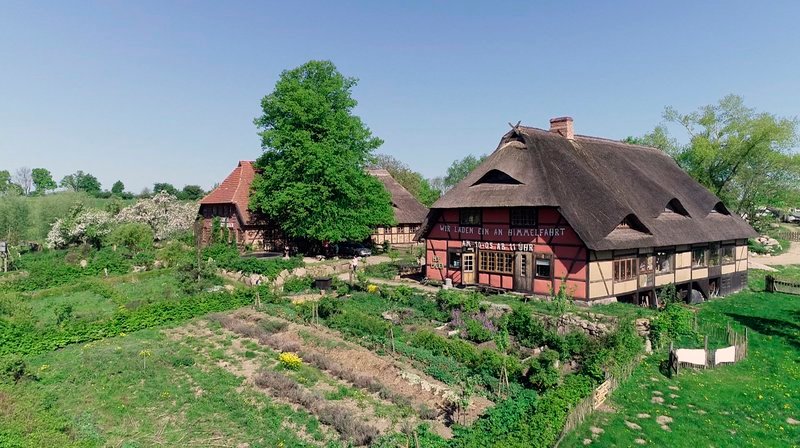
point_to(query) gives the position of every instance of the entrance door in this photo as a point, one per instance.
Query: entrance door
(468, 268)
(523, 272)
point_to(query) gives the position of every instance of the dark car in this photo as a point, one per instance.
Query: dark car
(354, 249)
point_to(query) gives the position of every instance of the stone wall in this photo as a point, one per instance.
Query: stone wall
(319, 270)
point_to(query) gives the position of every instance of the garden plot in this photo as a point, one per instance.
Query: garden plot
(385, 377)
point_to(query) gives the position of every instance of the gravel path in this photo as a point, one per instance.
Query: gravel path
(792, 256)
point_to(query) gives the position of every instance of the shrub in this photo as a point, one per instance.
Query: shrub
(542, 374)
(359, 324)
(13, 368)
(476, 331)
(525, 329)
(133, 236)
(673, 322)
(290, 360)
(196, 277)
(449, 299)
(298, 284)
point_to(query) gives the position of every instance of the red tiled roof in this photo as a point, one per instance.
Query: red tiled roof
(235, 189)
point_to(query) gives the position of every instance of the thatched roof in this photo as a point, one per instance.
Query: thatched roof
(407, 209)
(598, 184)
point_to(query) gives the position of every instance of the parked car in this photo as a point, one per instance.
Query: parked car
(354, 249)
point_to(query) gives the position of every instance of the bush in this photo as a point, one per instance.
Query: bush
(13, 368)
(542, 374)
(195, 278)
(133, 236)
(298, 284)
(448, 300)
(476, 332)
(674, 321)
(528, 331)
(290, 360)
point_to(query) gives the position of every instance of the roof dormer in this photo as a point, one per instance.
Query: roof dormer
(496, 177)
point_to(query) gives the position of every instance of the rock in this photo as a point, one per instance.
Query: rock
(284, 273)
(666, 428)
(587, 441)
(300, 272)
(642, 415)
(674, 388)
(640, 441)
(792, 421)
(596, 430)
(230, 288)
(158, 264)
(663, 419)
(632, 425)
(673, 396)
(648, 346)
(84, 263)
(657, 392)
(657, 400)
(139, 268)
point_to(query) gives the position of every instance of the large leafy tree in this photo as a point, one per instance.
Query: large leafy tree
(460, 169)
(5, 181)
(158, 187)
(191, 192)
(42, 180)
(80, 181)
(118, 188)
(313, 181)
(414, 182)
(743, 156)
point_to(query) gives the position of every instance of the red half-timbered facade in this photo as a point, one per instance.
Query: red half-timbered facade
(604, 220)
(537, 252)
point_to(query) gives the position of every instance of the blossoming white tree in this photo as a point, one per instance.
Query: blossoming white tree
(163, 213)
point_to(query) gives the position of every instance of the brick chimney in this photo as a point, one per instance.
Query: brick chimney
(563, 126)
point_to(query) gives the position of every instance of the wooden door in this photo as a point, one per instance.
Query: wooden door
(523, 272)
(468, 268)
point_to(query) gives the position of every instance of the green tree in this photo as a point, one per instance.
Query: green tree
(118, 188)
(42, 180)
(313, 180)
(743, 156)
(5, 181)
(191, 192)
(461, 169)
(164, 186)
(80, 181)
(414, 182)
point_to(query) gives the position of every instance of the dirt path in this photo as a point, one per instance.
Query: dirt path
(791, 256)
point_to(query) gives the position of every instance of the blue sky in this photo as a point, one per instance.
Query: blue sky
(148, 91)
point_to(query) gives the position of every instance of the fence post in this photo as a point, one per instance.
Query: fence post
(770, 283)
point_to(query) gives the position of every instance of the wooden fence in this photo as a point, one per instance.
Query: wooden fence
(595, 400)
(708, 359)
(785, 286)
(789, 236)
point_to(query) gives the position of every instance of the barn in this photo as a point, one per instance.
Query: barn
(229, 204)
(604, 220)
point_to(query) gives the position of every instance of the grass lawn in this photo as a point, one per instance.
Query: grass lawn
(747, 404)
(143, 390)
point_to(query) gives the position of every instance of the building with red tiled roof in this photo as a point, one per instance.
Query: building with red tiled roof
(229, 203)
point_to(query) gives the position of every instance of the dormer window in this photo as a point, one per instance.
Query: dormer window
(632, 222)
(675, 206)
(497, 177)
(720, 208)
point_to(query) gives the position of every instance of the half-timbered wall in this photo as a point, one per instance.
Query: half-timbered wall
(551, 238)
(730, 271)
(400, 235)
